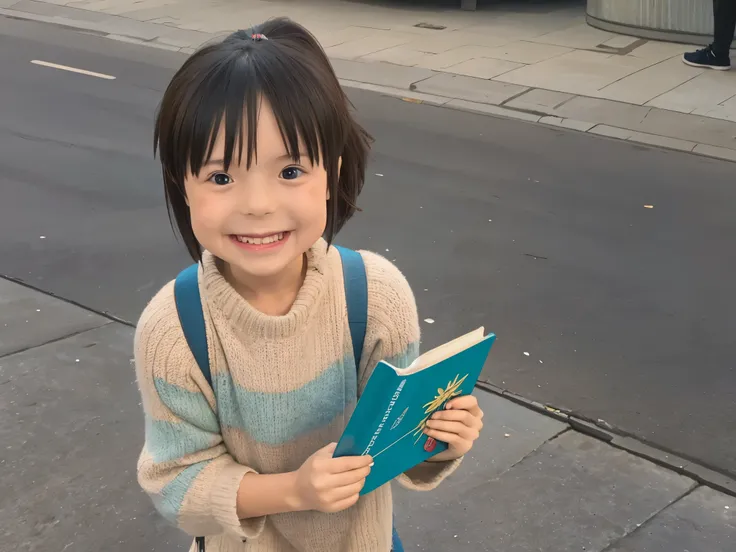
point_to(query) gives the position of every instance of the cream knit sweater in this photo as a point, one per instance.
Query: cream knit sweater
(285, 386)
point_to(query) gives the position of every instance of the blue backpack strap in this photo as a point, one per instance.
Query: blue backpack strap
(356, 296)
(191, 317)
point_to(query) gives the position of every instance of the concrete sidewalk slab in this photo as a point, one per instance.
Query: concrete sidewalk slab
(711, 513)
(380, 74)
(474, 90)
(72, 428)
(29, 318)
(574, 493)
(511, 433)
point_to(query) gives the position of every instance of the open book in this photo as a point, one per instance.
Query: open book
(388, 421)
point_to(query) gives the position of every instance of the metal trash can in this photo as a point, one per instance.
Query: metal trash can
(689, 21)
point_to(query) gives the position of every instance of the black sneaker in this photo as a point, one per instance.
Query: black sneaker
(706, 58)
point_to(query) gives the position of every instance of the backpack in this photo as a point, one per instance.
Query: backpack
(191, 316)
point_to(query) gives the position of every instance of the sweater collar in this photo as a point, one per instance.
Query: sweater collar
(221, 296)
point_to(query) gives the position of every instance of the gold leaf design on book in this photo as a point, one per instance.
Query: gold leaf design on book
(443, 395)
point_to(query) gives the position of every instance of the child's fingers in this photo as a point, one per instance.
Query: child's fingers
(350, 477)
(466, 402)
(349, 463)
(345, 503)
(459, 416)
(468, 433)
(341, 493)
(444, 436)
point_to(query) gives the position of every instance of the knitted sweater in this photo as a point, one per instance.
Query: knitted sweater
(284, 386)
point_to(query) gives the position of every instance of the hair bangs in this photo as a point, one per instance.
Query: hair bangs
(230, 101)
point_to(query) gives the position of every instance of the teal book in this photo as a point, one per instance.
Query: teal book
(389, 420)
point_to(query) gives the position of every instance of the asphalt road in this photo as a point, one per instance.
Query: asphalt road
(601, 305)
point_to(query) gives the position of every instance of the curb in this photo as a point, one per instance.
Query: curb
(598, 129)
(619, 439)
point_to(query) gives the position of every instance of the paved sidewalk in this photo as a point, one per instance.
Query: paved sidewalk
(71, 429)
(537, 62)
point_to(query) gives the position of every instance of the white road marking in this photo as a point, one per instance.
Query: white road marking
(72, 69)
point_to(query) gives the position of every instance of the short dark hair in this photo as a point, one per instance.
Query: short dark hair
(283, 63)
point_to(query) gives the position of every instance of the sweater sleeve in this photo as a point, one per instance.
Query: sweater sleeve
(393, 335)
(184, 466)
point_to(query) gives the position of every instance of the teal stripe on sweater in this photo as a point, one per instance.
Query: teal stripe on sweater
(404, 359)
(169, 501)
(269, 418)
(277, 418)
(168, 441)
(191, 406)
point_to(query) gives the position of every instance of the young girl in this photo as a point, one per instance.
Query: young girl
(262, 165)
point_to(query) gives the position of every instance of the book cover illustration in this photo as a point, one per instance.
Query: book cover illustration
(389, 420)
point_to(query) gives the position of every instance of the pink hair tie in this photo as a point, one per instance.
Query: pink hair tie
(258, 36)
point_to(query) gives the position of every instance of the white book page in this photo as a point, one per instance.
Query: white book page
(443, 352)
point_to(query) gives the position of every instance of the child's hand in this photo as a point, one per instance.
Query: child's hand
(330, 484)
(458, 425)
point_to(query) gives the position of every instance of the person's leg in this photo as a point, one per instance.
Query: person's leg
(716, 56)
(724, 24)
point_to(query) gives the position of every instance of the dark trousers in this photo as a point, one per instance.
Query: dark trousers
(724, 19)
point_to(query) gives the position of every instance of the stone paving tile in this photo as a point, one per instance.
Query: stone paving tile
(703, 130)
(72, 431)
(573, 124)
(183, 38)
(399, 55)
(724, 112)
(603, 111)
(489, 109)
(29, 318)
(715, 151)
(706, 90)
(525, 52)
(43, 8)
(379, 73)
(333, 37)
(439, 43)
(544, 101)
(375, 42)
(703, 521)
(577, 72)
(575, 493)
(469, 88)
(659, 51)
(511, 433)
(483, 68)
(454, 56)
(582, 36)
(651, 82)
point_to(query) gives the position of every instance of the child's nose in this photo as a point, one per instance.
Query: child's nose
(257, 198)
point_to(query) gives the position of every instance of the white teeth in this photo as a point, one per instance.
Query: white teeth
(261, 241)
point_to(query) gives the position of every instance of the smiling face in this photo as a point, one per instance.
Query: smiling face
(259, 219)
